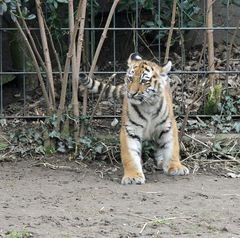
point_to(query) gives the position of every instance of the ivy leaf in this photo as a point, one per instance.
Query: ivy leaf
(61, 147)
(31, 17)
(217, 146)
(13, 17)
(99, 148)
(3, 122)
(3, 8)
(237, 127)
(55, 4)
(149, 23)
(54, 134)
(62, 1)
(86, 141)
(40, 150)
(70, 143)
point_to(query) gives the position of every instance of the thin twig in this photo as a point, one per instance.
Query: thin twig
(96, 55)
(55, 167)
(34, 47)
(139, 216)
(195, 99)
(229, 52)
(40, 78)
(151, 192)
(232, 194)
(174, 7)
(200, 142)
(5, 139)
(160, 221)
(231, 158)
(198, 153)
(148, 47)
(219, 161)
(145, 224)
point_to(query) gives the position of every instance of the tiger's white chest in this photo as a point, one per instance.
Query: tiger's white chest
(153, 128)
(147, 121)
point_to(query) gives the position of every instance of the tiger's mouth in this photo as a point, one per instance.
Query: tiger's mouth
(142, 98)
(135, 98)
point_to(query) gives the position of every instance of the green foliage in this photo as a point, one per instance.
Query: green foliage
(235, 2)
(222, 123)
(3, 146)
(54, 4)
(3, 6)
(22, 234)
(187, 14)
(45, 138)
(148, 149)
(12, 8)
(213, 100)
(27, 141)
(228, 107)
(50, 150)
(63, 141)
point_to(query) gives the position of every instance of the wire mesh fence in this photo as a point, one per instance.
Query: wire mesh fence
(135, 28)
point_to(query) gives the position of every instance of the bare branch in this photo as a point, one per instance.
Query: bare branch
(33, 45)
(96, 55)
(42, 84)
(170, 31)
(197, 96)
(46, 51)
(66, 67)
(54, 50)
(81, 34)
(210, 41)
(229, 52)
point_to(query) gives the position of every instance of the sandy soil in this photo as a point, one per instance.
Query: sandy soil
(91, 203)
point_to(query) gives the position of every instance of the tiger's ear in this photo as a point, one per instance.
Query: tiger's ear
(167, 67)
(134, 57)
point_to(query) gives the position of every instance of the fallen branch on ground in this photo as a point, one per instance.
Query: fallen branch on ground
(233, 159)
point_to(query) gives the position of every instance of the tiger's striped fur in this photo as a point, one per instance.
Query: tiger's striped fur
(147, 115)
(94, 86)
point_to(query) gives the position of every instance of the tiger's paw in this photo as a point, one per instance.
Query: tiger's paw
(139, 179)
(177, 169)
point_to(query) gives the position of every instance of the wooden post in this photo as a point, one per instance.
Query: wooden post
(211, 66)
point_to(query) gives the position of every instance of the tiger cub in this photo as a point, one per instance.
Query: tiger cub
(147, 114)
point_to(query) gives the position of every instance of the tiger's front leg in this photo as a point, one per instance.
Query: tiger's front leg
(131, 147)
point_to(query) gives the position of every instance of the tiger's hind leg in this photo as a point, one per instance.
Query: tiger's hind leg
(167, 152)
(131, 158)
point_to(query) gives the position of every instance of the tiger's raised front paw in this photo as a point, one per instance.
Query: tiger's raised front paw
(133, 180)
(177, 169)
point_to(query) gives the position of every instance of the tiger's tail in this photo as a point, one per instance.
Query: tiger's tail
(95, 86)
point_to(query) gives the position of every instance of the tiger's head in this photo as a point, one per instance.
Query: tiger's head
(145, 80)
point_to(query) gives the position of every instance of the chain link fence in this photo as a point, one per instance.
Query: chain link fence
(135, 28)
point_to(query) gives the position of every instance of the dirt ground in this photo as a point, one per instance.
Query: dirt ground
(87, 202)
